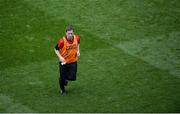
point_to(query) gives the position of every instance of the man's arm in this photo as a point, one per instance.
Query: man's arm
(59, 56)
(78, 51)
(57, 48)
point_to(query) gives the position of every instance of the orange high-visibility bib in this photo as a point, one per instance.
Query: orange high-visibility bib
(69, 51)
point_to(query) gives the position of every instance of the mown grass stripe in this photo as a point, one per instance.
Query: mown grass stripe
(159, 51)
(8, 104)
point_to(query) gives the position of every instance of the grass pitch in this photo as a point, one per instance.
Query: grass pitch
(130, 55)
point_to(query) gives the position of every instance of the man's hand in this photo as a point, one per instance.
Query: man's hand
(78, 54)
(62, 60)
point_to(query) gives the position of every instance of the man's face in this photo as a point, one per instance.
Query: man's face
(70, 35)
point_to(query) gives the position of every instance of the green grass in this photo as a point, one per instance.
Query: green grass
(129, 55)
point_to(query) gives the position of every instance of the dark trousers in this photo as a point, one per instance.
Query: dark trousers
(67, 72)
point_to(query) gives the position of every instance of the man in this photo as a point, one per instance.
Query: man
(67, 50)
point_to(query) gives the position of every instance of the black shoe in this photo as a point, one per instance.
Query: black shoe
(66, 82)
(63, 93)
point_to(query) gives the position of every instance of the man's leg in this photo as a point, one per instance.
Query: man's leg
(72, 70)
(62, 78)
